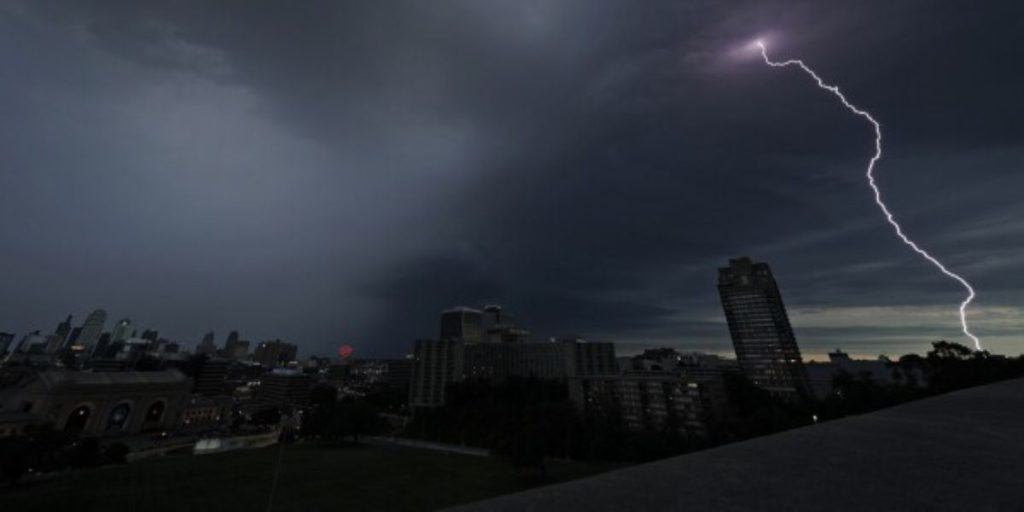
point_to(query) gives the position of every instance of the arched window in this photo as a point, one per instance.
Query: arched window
(118, 417)
(78, 418)
(155, 413)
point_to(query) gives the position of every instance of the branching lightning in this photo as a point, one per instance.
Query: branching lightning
(874, 187)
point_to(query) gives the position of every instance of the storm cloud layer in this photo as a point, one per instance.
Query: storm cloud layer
(340, 172)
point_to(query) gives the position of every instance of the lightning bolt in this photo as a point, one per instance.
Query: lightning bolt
(874, 187)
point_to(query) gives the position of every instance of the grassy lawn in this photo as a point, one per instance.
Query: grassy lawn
(311, 479)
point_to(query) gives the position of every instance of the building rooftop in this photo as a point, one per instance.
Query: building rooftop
(960, 451)
(460, 309)
(55, 378)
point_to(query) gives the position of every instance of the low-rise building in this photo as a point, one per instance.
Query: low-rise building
(204, 412)
(100, 403)
(648, 401)
(284, 388)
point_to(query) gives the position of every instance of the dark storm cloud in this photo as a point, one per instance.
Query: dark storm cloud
(332, 170)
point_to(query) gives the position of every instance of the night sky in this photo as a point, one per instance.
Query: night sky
(340, 172)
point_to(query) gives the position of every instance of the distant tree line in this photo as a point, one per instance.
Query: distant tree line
(527, 420)
(331, 419)
(947, 367)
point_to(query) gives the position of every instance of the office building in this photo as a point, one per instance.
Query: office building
(105, 347)
(30, 340)
(436, 363)
(211, 377)
(73, 337)
(6, 339)
(53, 343)
(276, 353)
(398, 373)
(207, 346)
(63, 330)
(463, 324)
(284, 387)
(122, 330)
(498, 327)
(765, 345)
(91, 331)
(235, 348)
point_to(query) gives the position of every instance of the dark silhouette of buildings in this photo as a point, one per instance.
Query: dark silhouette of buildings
(462, 323)
(91, 331)
(275, 353)
(765, 345)
(100, 403)
(284, 387)
(235, 348)
(211, 376)
(208, 346)
(462, 355)
(63, 329)
(122, 330)
(6, 339)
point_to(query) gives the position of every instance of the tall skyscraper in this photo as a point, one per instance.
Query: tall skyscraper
(235, 348)
(91, 331)
(462, 323)
(30, 339)
(6, 339)
(73, 337)
(122, 330)
(207, 346)
(53, 344)
(63, 329)
(765, 345)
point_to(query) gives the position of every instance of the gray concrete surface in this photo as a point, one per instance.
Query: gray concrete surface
(961, 451)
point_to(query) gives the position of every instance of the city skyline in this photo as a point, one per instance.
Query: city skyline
(207, 169)
(209, 342)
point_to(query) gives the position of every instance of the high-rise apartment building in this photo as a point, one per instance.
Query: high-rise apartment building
(765, 345)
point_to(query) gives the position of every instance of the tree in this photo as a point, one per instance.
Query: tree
(323, 394)
(521, 443)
